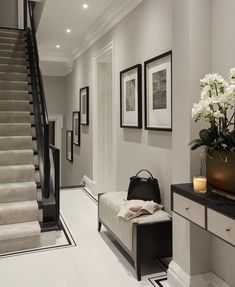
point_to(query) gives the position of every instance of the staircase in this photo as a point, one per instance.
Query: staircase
(20, 193)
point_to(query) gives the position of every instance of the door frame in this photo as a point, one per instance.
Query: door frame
(96, 58)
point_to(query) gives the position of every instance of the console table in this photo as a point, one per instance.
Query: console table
(209, 210)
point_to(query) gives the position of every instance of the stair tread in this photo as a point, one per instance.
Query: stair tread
(16, 137)
(20, 204)
(17, 184)
(15, 112)
(19, 230)
(15, 101)
(13, 73)
(17, 166)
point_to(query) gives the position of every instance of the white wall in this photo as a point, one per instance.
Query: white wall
(146, 32)
(9, 13)
(199, 46)
(223, 58)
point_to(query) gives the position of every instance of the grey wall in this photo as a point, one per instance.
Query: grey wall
(146, 32)
(55, 92)
(201, 44)
(223, 58)
(9, 13)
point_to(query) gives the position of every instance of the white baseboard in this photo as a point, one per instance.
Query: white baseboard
(177, 277)
(89, 184)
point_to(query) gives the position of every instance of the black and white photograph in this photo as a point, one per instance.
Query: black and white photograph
(76, 128)
(158, 92)
(130, 97)
(69, 145)
(84, 106)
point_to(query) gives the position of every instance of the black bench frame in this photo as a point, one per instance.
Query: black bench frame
(150, 241)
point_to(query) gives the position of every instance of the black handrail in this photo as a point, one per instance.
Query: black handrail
(39, 102)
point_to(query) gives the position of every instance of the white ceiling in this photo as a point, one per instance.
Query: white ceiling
(58, 15)
(87, 26)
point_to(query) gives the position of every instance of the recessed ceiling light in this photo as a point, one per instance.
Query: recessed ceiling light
(68, 30)
(57, 46)
(85, 6)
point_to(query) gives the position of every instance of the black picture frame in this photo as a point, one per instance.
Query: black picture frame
(69, 145)
(76, 128)
(84, 106)
(135, 116)
(164, 63)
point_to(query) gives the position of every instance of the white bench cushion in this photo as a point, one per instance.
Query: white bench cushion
(109, 206)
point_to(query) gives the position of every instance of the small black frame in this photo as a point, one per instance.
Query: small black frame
(84, 110)
(76, 141)
(146, 63)
(138, 124)
(69, 157)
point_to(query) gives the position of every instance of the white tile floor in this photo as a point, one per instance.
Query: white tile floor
(94, 262)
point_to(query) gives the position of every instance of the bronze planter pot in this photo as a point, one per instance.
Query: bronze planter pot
(220, 170)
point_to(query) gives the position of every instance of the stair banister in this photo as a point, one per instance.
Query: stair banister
(40, 109)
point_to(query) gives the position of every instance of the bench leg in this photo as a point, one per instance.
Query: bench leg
(138, 270)
(99, 226)
(137, 250)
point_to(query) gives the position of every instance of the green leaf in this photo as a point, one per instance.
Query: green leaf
(195, 144)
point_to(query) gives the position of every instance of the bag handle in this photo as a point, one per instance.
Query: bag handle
(146, 171)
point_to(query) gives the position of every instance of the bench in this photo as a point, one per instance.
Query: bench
(144, 237)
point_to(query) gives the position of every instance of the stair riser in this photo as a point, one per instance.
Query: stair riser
(17, 130)
(13, 54)
(10, 85)
(16, 106)
(16, 157)
(17, 174)
(12, 47)
(11, 34)
(15, 117)
(14, 215)
(18, 143)
(11, 61)
(14, 77)
(8, 40)
(19, 244)
(18, 192)
(15, 95)
(6, 68)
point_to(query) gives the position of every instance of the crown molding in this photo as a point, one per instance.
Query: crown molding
(104, 24)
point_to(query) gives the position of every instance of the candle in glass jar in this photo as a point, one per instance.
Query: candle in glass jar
(199, 184)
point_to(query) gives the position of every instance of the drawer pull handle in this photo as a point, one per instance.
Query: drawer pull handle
(187, 208)
(228, 229)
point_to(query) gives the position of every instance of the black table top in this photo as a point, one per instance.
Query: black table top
(209, 199)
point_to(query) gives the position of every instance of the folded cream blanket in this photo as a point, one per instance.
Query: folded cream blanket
(134, 208)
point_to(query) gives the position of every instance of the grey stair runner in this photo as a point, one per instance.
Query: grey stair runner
(19, 210)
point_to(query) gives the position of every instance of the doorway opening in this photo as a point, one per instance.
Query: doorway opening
(104, 127)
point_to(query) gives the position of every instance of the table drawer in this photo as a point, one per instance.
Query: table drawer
(191, 210)
(221, 226)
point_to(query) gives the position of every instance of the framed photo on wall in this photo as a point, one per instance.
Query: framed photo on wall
(158, 92)
(84, 106)
(131, 97)
(76, 128)
(69, 145)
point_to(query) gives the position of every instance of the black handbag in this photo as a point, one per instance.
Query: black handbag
(144, 188)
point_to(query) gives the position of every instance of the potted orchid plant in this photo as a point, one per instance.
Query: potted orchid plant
(216, 107)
